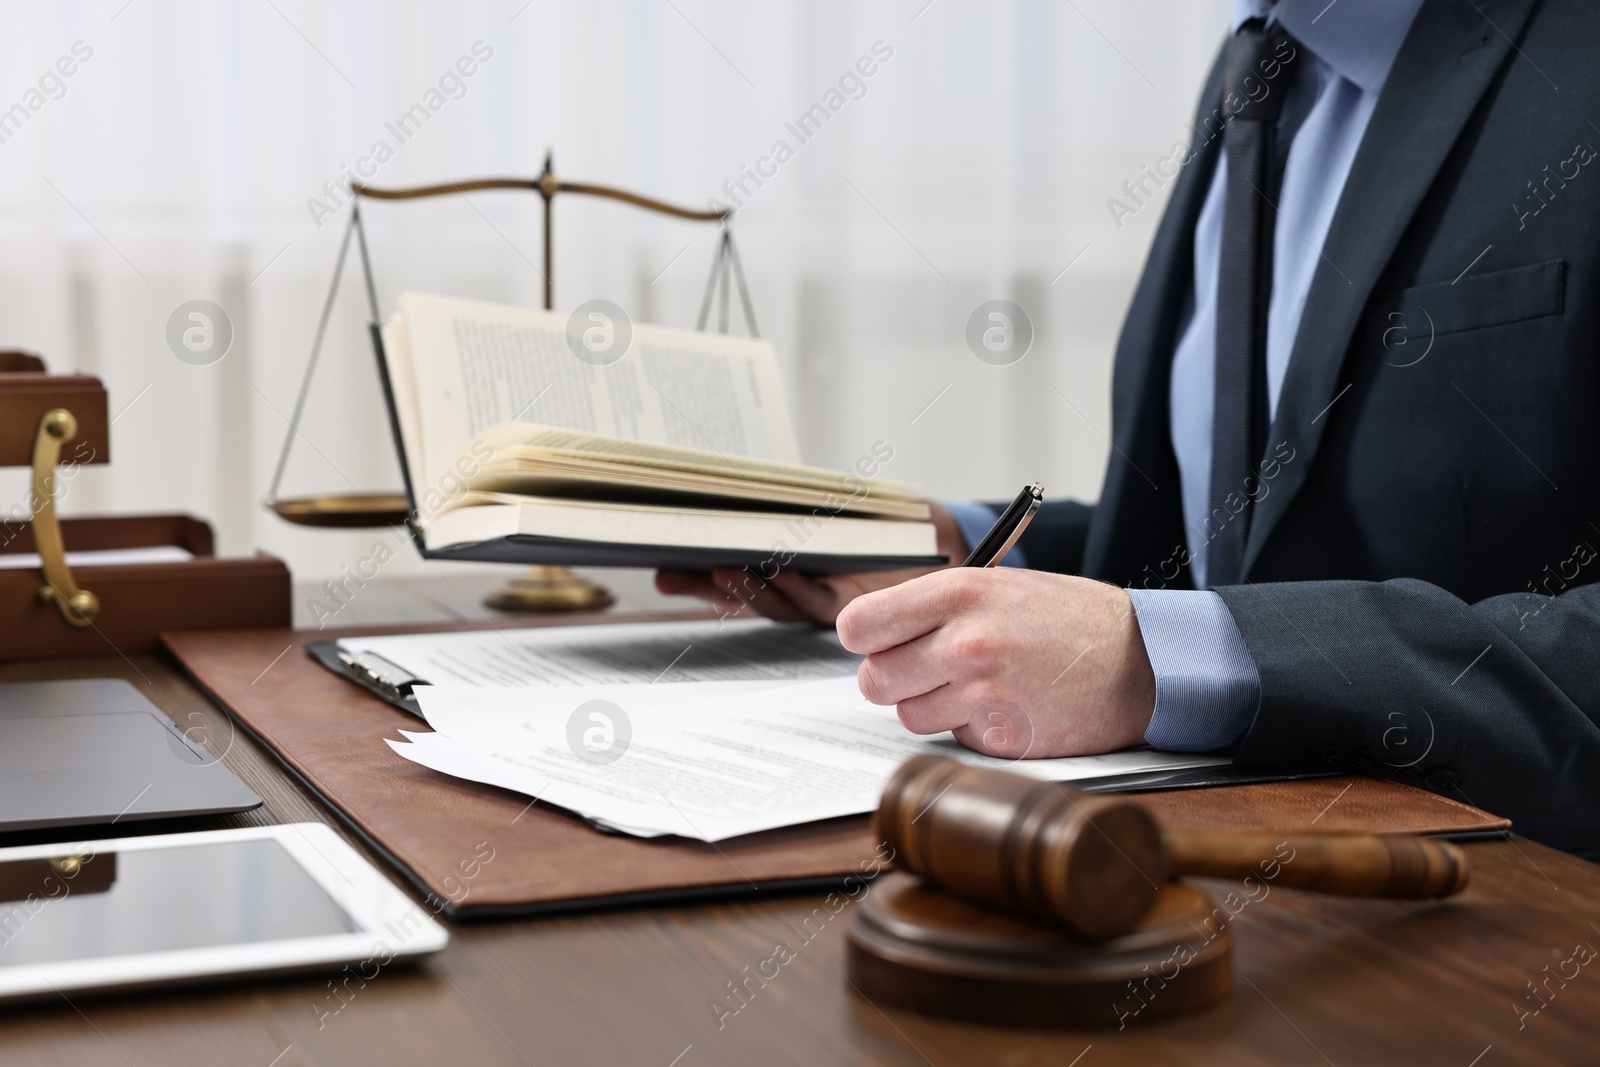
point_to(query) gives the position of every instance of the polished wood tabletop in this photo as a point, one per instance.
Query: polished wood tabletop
(1496, 976)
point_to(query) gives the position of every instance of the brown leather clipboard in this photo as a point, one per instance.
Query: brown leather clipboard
(1344, 804)
(328, 732)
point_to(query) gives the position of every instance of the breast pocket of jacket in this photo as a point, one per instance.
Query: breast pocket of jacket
(1404, 325)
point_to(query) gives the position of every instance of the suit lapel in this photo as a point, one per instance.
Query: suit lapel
(1439, 76)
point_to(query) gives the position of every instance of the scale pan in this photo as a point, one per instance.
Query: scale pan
(351, 510)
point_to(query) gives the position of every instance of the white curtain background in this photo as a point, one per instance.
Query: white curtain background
(177, 163)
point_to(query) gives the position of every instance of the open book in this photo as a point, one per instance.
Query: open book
(679, 454)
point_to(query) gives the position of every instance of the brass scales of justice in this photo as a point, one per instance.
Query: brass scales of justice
(539, 588)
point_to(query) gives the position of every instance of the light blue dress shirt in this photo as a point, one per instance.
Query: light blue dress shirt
(975, 521)
(1207, 686)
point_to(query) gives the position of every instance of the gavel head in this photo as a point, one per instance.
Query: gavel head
(1043, 849)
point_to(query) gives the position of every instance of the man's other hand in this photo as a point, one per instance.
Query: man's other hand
(1019, 664)
(791, 597)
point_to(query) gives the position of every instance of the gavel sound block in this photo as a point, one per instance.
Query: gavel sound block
(1041, 905)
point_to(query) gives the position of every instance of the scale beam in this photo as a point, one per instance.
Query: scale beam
(388, 509)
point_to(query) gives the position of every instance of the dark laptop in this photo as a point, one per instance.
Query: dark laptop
(95, 751)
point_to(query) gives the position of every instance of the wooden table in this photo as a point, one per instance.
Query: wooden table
(1317, 981)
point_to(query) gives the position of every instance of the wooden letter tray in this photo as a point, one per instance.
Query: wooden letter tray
(132, 604)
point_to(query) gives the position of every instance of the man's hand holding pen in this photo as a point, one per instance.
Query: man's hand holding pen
(1016, 663)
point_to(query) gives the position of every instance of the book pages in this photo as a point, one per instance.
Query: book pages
(474, 365)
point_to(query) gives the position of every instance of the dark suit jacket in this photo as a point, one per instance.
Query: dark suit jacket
(1417, 588)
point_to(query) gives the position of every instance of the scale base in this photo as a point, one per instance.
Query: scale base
(540, 590)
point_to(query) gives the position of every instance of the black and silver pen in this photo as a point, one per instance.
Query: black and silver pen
(1007, 528)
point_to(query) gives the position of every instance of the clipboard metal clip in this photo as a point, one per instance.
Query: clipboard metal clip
(385, 675)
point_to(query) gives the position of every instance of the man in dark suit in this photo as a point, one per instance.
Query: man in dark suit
(1352, 510)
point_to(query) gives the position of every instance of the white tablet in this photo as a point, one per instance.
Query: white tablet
(127, 913)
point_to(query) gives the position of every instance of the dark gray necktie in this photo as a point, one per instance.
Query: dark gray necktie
(1258, 75)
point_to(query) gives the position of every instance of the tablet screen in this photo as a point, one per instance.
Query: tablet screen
(91, 905)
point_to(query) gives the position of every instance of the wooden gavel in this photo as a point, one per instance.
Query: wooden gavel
(1095, 862)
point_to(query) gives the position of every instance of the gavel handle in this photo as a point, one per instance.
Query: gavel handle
(1351, 865)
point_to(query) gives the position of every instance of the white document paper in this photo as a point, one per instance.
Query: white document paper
(703, 760)
(652, 652)
(102, 557)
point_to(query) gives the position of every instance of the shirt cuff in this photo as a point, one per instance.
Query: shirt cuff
(1207, 685)
(974, 520)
